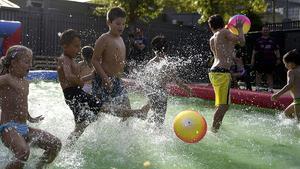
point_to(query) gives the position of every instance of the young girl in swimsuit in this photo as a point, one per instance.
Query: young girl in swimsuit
(14, 131)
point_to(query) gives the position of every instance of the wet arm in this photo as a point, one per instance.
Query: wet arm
(289, 85)
(183, 86)
(88, 77)
(97, 57)
(30, 118)
(3, 80)
(237, 39)
(212, 45)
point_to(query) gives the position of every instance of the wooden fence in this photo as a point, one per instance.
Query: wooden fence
(292, 25)
(40, 29)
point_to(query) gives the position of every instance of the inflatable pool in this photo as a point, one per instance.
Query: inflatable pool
(203, 91)
(249, 138)
(46, 75)
(10, 34)
(238, 96)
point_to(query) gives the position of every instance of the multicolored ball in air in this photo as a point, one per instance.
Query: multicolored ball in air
(190, 126)
(232, 23)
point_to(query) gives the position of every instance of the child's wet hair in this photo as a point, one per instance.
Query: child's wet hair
(68, 36)
(12, 53)
(159, 43)
(216, 22)
(292, 56)
(87, 52)
(115, 13)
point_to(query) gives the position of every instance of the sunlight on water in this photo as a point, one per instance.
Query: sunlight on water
(249, 138)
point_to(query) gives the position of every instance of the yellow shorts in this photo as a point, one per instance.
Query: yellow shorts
(221, 84)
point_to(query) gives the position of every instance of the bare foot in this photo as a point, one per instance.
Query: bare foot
(214, 130)
(144, 112)
(40, 165)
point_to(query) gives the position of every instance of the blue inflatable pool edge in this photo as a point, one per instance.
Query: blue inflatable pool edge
(46, 75)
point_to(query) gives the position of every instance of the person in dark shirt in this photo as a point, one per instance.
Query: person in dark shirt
(265, 58)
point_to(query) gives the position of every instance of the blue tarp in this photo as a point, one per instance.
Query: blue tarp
(35, 75)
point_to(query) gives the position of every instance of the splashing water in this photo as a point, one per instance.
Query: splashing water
(249, 138)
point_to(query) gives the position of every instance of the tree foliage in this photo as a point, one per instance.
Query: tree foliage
(150, 9)
(229, 8)
(135, 9)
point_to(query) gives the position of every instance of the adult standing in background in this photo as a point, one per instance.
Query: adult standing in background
(265, 58)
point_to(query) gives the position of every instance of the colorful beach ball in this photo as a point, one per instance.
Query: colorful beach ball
(232, 22)
(190, 126)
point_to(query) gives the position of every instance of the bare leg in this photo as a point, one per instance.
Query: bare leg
(126, 112)
(289, 112)
(258, 79)
(218, 116)
(17, 144)
(270, 81)
(158, 103)
(47, 142)
(120, 106)
(79, 129)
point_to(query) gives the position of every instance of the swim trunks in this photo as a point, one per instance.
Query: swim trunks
(220, 79)
(84, 106)
(22, 129)
(118, 93)
(87, 87)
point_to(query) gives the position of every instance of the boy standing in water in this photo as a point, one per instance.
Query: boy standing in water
(158, 72)
(291, 61)
(84, 106)
(15, 133)
(71, 83)
(222, 46)
(109, 61)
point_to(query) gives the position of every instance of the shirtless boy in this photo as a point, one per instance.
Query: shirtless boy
(109, 61)
(84, 106)
(222, 46)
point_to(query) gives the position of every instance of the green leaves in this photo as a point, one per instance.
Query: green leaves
(149, 9)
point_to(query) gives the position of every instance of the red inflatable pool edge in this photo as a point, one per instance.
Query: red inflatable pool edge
(238, 96)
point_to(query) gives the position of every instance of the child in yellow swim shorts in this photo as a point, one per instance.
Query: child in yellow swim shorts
(220, 79)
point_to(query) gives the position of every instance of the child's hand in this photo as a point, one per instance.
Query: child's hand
(274, 97)
(239, 24)
(107, 84)
(36, 119)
